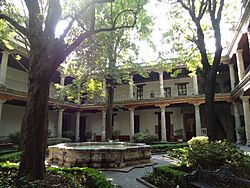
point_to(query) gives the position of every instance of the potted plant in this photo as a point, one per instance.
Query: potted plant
(179, 133)
(116, 134)
(242, 133)
(88, 136)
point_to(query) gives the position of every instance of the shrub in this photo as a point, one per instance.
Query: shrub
(11, 157)
(56, 177)
(167, 146)
(198, 141)
(166, 176)
(179, 153)
(54, 141)
(212, 155)
(69, 134)
(15, 138)
(144, 137)
(91, 179)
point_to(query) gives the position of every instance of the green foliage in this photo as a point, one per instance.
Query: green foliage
(11, 157)
(66, 177)
(116, 133)
(54, 141)
(166, 176)
(167, 146)
(212, 155)
(15, 138)
(179, 132)
(69, 134)
(94, 178)
(144, 137)
(198, 141)
(179, 153)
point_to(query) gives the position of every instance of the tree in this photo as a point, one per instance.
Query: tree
(113, 54)
(47, 52)
(205, 22)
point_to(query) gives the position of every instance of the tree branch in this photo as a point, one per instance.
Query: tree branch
(15, 24)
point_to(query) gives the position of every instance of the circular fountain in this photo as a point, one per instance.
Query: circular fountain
(99, 154)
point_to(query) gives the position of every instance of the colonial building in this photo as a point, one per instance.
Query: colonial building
(159, 103)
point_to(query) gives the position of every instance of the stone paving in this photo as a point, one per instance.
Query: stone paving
(245, 148)
(128, 179)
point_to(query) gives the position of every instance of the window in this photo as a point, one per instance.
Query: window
(167, 91)
(182, 89)
(139, 90)
(152, 94)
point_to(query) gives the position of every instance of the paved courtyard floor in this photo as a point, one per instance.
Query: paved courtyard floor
(128, 179)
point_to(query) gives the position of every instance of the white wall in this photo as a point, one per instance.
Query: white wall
(148, 120)
(18, 80)
(122, 91)
(12, 117)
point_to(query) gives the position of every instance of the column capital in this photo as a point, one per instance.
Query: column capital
(2, 101)
(5, 53)
(61, 110)
(162, 105)
(231, 64)
(131, 109)
(245, 98)
(239, 50)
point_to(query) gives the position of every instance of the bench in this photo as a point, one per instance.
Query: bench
(221, 178)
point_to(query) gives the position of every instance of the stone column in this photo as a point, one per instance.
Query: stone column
(163, 124)
(246, 109)
(232, 76)
(103, 125)
(132, 122)
(161, 84)
(77, 131)
(62, 82)
(59, 123)
(197, 119)
(104, 86)
(237, 121)
(131, 88)
(4, 64)
(1, 108)
(240, 64)
(195, 84)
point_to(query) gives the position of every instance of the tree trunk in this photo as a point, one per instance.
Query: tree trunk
(110, 111)
(35, 127)
(209, 101)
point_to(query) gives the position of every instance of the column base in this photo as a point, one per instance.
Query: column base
(248, 143)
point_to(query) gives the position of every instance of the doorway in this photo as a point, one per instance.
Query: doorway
(189, 123)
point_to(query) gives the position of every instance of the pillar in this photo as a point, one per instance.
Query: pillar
(62, 82)
(237, 121)
(104, 86)
(163, 124)
(240, 64)
(1, 108)
(4, 64)
(103, 125)
(132, 122)
(77, 130)
(131, 88)
(232, 76)
(246, 109)
(197, 119)
(161, 84)
(59, 123)
(195, 84)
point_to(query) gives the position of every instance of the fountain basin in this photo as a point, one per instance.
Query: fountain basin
(99, 154)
